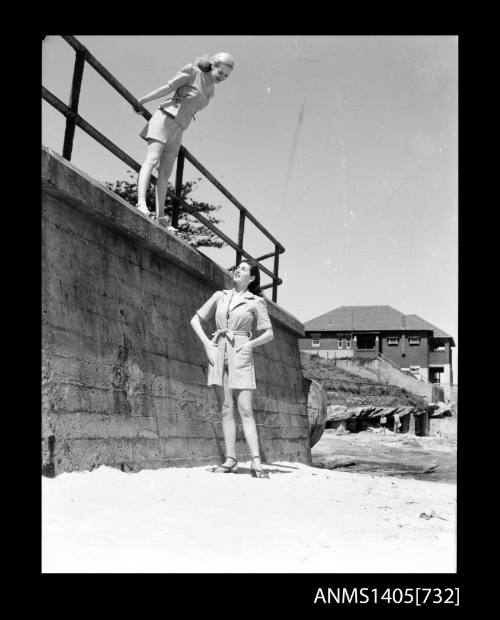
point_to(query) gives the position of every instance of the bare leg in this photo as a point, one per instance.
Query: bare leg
(225, 400)
(165, 170)
(153, 157)
(249, 428)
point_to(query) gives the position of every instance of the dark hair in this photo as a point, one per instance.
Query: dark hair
(254, 286)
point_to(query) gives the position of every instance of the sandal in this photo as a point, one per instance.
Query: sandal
(145, 211)
(227, 469)
(258, 473)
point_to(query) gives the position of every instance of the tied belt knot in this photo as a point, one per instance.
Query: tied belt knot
(176, 102)
(229, 334)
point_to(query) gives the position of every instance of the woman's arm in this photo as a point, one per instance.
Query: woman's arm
(183, 77)
(266, 336)
(156, 94)
(200, 332)
(263, 323)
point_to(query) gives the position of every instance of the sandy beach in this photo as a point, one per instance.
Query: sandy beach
(303, 519)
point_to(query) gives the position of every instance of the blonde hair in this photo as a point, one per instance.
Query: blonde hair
(224, 58)
(205, 63)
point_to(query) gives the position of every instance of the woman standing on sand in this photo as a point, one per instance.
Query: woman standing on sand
(194, 87)
(230, 358)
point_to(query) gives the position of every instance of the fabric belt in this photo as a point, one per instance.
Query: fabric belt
(166, 113)
(171, 115)
(176, 101)
(229, 334)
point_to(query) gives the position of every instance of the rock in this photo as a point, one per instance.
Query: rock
(337, 412)
(334, 462)
(341, 412)
(410, 441)
(439, 409)
(431, 515)
(430, 469)
(341, 430)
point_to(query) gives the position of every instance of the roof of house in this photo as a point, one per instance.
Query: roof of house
(438, 333)
(371, 318)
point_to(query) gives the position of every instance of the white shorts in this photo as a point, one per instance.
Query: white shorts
(163, 128)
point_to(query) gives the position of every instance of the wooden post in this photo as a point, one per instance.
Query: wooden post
(69, 134)
(178, 188)
(241, 232)
(276, 269)
(412, 427)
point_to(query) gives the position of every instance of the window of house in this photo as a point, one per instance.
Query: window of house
(413, 341)
(437, 347)
(315, 342)
(435, 374)
(340, 344)
(348, 343)
(392, 341)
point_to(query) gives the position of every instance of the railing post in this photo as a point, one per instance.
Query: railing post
(69, 134)
(241, 232)
(276, 269)
(178, 188)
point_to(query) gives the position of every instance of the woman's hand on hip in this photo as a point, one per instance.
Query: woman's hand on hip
(209, 350)
(248, 346)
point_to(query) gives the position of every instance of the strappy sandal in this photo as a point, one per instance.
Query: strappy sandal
(145, 211)
(227, 469)
(258, 473)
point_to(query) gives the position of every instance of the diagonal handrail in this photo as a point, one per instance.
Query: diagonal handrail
(94, 133)
(73, 119)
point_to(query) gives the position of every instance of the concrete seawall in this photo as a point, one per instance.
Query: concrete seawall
(123, 374)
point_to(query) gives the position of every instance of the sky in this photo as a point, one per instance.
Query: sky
(344, 147)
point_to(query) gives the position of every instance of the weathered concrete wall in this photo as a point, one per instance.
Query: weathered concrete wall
(124, 375)
(446, 426)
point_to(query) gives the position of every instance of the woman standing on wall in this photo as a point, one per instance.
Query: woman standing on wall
(194, 87)
(231, 369)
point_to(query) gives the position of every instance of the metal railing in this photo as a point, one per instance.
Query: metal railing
(73, 120)
(388, 360)
(408, 373)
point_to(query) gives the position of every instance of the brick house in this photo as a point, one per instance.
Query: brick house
(413, 344)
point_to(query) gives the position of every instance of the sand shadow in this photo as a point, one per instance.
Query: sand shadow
(269, 468)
